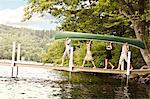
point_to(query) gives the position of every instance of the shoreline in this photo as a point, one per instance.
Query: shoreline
(74, 69)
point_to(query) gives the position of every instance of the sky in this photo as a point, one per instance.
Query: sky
(11, 13)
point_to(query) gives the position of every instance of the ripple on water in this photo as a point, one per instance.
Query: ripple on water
(35, 83)
(32, 83)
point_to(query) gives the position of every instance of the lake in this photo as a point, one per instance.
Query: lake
(37, 83)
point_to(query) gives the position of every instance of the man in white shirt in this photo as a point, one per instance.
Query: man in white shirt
(67, 50)
(124, 54)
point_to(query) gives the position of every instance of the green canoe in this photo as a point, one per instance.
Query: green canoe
(105, 38)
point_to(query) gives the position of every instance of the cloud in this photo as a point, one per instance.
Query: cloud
(13, 17)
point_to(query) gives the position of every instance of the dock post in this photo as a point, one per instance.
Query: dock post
(18, 53)
(128, 63)
(13, 58)
(18, 57)
(71, 59)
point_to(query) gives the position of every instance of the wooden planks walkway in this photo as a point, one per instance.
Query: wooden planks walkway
(77, 69)
(100, 70)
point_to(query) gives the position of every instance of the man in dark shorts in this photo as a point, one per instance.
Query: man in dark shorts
(108, 55)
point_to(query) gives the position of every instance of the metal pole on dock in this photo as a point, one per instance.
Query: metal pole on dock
(128, 63)
(18, 53)
(13, 58)
(71, 59)
(18, 57)
(17, 72)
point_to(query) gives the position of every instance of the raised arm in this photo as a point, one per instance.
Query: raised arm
(110, 45)
(90, 42)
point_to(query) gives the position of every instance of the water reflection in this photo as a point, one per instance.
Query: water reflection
(42, 84)
(123, 90)
(102, 86)
(87, 86)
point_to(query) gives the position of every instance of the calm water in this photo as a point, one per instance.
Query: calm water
(35, 83)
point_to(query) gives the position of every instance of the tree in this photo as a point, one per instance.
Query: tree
(33, 43)
(119, 17)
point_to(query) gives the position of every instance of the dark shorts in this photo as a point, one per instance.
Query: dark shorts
(108, 54)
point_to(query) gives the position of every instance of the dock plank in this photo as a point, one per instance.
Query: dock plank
(78, 69)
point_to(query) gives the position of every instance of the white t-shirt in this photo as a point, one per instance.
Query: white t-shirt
(125, 49)
(68, 43)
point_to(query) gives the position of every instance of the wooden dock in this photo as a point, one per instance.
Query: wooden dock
(101, 70)
(78, 69)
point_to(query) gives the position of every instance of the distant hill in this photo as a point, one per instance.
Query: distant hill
(33, 42)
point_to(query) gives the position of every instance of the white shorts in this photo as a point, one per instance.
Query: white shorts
(67, 51)
(123, 57)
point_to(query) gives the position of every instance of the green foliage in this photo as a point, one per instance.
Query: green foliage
(33, 43)
(136, 58)
(79, 54)
(95, 16)
(147, 41)
(98, 51)
(116, 51)
(54, 52)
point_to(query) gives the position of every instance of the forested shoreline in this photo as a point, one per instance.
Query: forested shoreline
(33, 42)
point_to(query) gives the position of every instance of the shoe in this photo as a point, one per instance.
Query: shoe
(112, 67)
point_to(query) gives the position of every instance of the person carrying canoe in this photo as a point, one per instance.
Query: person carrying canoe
(124, 55)
(108, 55)
(88, 56)
(67, 50)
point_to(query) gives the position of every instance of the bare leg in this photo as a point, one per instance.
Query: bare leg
(112, 66)
(62, 63)
(131, 67)
(83, 63)
(68, 53)
(120, 61)
(93, 64)
(118, 66)
(106, 63)
(63, 58)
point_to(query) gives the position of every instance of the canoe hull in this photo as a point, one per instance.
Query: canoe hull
(98, 37)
